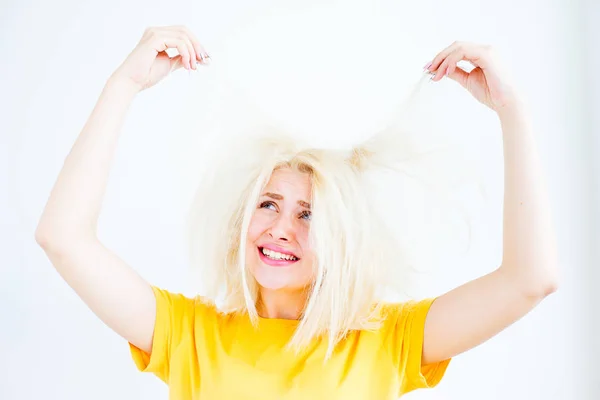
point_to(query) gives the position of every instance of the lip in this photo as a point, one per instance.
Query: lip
(278, 249)
(275, 263)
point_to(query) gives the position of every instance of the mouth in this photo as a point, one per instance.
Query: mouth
(276, 259)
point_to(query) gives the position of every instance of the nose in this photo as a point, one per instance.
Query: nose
(282, 228)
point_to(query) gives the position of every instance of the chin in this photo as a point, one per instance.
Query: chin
(274, 278)
(289, 278)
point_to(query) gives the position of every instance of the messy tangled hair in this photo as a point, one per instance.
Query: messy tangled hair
(356, 261)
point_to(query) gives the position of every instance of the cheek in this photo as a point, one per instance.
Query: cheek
(258, 224)
(302, 236)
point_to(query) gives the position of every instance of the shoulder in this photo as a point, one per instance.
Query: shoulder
(400, 317)
(179, 305)
(405, 308)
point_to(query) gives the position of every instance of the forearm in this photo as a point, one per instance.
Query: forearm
(529, 243)
(74, 204)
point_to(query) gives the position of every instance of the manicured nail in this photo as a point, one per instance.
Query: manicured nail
(427, 66)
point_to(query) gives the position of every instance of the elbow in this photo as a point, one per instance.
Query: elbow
(42, 238)
(550, 287)
(49, 243)
(542, 288)
(534, 285)
(549, 281)
(47, 238)
(54, 240)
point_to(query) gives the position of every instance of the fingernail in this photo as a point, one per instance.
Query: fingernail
(427, 66)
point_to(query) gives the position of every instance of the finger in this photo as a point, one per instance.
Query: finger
(448, 65)
(191, 50)
(478, 55)
(180, 34)
(161, 40)
(182, 48)
(441, 56)
(201, 54)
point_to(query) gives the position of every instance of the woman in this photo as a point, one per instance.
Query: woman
(298, 256)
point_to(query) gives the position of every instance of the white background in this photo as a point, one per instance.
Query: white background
(332, 72)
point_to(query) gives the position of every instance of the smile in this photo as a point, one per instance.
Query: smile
(275, 258)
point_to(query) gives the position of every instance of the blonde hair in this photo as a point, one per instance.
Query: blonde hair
(356, 258)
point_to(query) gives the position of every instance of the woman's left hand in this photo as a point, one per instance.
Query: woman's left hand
(486, 82)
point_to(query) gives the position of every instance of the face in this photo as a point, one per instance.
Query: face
(277, 252)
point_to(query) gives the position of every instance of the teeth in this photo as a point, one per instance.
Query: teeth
(277, 256)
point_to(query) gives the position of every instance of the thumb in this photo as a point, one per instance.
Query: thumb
(176, 63)
(459, 75)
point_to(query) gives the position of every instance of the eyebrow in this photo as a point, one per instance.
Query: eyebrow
(280, 197)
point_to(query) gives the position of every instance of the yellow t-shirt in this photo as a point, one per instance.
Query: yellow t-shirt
(203, 354)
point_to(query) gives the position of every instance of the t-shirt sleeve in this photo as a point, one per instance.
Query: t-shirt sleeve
(174, 320)
(405, 344)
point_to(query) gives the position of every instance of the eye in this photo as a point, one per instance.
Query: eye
(306, 215)
(267, 204)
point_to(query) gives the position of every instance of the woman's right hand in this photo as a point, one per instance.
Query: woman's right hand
(149, 63)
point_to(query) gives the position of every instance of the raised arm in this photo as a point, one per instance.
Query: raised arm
(478, 310)
(67, 228)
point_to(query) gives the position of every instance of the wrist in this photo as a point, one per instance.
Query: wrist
(124, 86)
(513, 110)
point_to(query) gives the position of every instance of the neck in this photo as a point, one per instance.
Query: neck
(280, 304)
